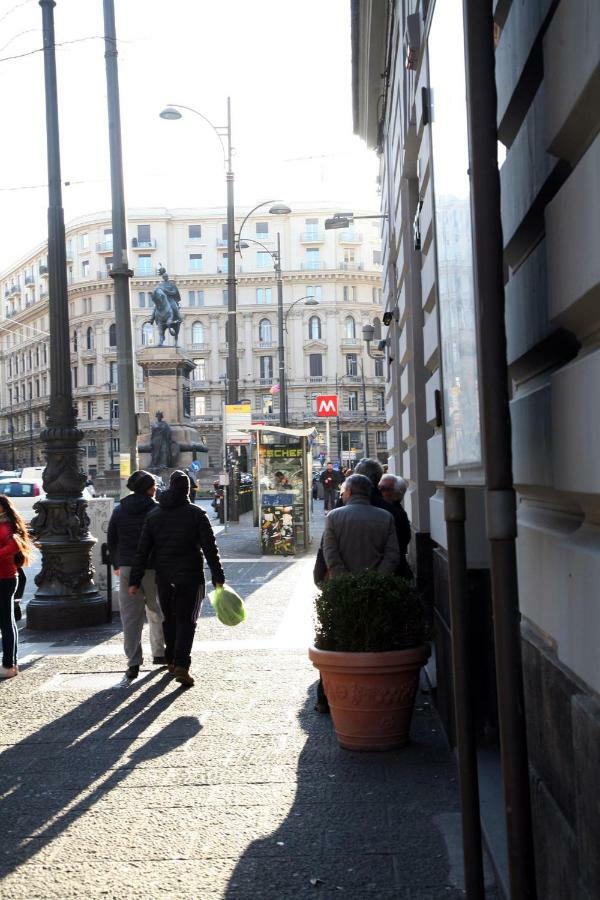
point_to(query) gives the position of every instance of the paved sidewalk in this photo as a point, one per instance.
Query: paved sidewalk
(234, 789)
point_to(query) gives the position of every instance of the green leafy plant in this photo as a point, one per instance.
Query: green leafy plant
(369, 612)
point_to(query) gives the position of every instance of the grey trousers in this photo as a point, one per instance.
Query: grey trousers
(134, 611)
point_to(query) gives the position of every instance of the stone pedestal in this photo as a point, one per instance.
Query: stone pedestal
(167, 388)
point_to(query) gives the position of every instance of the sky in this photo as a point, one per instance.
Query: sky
(285, 65)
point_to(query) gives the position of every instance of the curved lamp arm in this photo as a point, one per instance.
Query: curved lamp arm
(258, 206)
(218, 130)
(291, 306)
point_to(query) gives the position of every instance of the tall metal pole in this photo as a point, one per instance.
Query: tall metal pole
(280, 343)
(121, 273)
(364, 401)
(232, 362)
(66, 595)
(110, 427)
(496, 431)
(12, 441)
(30, 431)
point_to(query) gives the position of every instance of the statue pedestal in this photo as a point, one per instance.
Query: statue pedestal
(167, 388)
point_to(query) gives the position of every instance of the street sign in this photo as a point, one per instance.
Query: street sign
(327, 405)
(195, 465)
(224, 479)
(238, 419)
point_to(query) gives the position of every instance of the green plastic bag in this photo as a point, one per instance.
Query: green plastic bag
(228, 605)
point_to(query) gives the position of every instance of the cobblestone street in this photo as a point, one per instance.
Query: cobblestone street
(235, 788)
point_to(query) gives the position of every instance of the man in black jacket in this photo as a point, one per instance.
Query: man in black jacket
(124, 530)
(330, 480)
(373, 469)
(178, 536)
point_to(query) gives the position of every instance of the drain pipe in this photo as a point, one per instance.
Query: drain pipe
(496, 434)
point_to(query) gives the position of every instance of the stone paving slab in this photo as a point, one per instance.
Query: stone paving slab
(235, 789)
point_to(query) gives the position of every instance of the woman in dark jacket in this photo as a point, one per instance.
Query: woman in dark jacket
(124, 531)
(14, 540)
(178, 536)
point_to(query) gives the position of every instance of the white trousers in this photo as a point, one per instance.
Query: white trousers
(134, 611)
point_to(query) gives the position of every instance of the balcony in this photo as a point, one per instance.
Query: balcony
(222, 270)
(15, 289)
(29, 279)
(43, 271)
(350, 342)
(104, 246)
(202, 347)
(265, 345)
(312, 236)
(311, 265)
(316, 379)
(348, 236)
(221, 242)
(145, 272)
(351, 266)
(150, 244)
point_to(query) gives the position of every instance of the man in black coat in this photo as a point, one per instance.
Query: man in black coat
(330, 480)
(393, 489)
(124, 531)
(179, 537)
(373, 469)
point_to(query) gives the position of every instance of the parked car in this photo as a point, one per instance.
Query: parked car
(24, 493)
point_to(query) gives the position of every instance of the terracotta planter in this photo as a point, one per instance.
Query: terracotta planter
(371, 695)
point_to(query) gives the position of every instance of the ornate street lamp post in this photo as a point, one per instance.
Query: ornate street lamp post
(66, 595)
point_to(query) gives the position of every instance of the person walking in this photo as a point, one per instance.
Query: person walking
(393, 488)
(178, 536)
(15, 551)
(330, 481)
(124, 532)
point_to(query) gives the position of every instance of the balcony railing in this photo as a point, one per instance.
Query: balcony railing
(350, 342)
(104, 247)
(316, 379)
(44, 271)
(15, 289)
(143, 245)
(351, 266)
(347, 236)
(29, 279)
(144, 272)
(265, 345)
(203, 346)
(312, 264)
(221, 242)
(312, 236)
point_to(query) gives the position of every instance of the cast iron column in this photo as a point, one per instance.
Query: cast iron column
(121, 273)
(364, 401)
(280, 343)
(66, 595)
(232, 373)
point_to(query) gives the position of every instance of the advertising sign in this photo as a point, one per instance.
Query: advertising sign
(238, 418)
(282, 496)
(327, 405)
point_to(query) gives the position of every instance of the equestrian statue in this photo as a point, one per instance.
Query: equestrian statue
(166, 313)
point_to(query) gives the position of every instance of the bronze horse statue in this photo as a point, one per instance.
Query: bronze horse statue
(166, 313)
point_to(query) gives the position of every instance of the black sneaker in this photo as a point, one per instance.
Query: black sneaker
(159, 660)
(132, 672)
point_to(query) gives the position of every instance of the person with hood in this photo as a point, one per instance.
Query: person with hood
(124, 531)
(178, 536)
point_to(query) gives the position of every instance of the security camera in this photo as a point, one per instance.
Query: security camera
(387, 318)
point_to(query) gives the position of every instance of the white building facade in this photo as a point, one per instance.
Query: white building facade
(338, 272)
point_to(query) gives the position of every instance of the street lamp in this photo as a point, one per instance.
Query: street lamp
(110, 424)
(66, 595)
(364, 405)
(277, 209)
(172, 112)
(345, 219)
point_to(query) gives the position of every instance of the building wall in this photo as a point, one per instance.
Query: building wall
(341, 269)
(548, 83)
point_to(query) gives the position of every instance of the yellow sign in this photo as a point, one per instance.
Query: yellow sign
(237, 408)
(124, 465)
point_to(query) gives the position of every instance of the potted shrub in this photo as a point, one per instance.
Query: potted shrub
(369, 648)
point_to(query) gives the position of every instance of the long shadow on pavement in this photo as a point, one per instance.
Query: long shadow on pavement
(361, 824)
(52, 777)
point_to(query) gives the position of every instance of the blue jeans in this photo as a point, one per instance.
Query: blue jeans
(8, 626)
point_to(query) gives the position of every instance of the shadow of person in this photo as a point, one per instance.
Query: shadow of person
(53, 776)
(359, 825)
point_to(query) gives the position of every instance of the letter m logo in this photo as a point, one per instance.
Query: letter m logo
(327, 405)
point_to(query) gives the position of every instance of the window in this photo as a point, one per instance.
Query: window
(144, 264)
(147, 335)
(194, 232)
(196, 298)
(224, 263)
(92, 450)
(314, 291)
(86, 304)
(263, 259)
(90, 410)
(349, 258)
(380, 400)
(262, 229)
(314, 328)
(114, 410)
(199, 406)
(377, 327)
(312, 228)
(312, 258)
(116, 445)
(74, 342)
(381, 439)
(89, 339)
(143, 235)
(265, 334)
(85, 268)
(74, 376)
(199, 373)
(379, 368)
(44, 385)
(141, 299)
(315, 363)
(113, 372)
(225, 297)
(377, 257)
(263, 295)
(224, 231)
(350, 328)
(266, 368)
(108, 303)
(195, 262)
(89, 369)
(84, 241)
(351, 364)
(37, 387)
(197, 333)
(354, 293)
(352, 401)
(112, 335)
(267, 404)
(346, 293)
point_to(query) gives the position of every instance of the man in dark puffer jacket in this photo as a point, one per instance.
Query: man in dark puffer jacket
(178, 536)
(124, 530)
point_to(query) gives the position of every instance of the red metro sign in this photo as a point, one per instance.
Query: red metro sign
(327, 405)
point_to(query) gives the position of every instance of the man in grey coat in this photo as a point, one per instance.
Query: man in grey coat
(359, 536)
